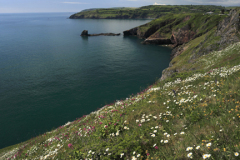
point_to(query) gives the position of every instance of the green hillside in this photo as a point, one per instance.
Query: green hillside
(193, 112)
(152, 11)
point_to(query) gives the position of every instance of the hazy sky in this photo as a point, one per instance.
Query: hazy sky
(20, 6)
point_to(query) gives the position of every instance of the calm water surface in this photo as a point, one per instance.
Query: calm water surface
(49, 75)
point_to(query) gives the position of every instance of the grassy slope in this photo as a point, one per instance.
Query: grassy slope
(152, 11)
(205, 111)
(198, 23)
(166, 25)
(183, 62)
(202, 116)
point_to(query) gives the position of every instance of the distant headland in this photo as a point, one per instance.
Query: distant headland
(145, 12)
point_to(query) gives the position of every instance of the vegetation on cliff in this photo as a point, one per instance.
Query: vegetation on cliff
(192, 113)
(176, 29)
(152, 11)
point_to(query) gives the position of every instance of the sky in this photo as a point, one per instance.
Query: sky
(30, 6)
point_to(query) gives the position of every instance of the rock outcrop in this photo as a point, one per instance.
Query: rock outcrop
(105, 34)
(226, 33)
(148, 33)
(131, 32)
(85, 33)
(157, 34)
(182, 35)
(161, 41)
(74, 16)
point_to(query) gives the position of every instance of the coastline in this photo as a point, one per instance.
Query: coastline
(189, 100)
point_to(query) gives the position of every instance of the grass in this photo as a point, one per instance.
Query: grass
(165, 26)
(195, 117)
(152, 11)
(195, 114)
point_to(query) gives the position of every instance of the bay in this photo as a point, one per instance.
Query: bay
(49, 75)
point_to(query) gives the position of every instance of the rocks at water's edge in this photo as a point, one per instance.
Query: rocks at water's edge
(85, 33)
(166, 33)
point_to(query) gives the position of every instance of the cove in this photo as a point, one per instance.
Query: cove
(50, 75)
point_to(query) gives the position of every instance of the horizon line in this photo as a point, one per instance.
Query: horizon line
(110, 7)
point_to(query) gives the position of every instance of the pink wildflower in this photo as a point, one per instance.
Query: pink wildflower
(156, 147)
(70, 145)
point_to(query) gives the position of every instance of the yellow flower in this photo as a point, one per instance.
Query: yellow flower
(224, 149)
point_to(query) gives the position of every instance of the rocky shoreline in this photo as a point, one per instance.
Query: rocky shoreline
(177, 38)
(85, 33)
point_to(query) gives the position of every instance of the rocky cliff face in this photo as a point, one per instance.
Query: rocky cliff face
(182, 35)
(131, 32)
(141, 34)
(227, 32)
(150, 32)
(161, 35)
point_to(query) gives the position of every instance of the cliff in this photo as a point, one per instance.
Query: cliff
(216, 38)
(192, 34)
(175, 29)
(193, 113)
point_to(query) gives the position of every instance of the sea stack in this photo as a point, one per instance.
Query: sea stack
(84, 33)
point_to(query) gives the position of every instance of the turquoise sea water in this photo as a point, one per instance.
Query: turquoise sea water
(49, 75)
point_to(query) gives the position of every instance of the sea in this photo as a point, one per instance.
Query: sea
(50, 75)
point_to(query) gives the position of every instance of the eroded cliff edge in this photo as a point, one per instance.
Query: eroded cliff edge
(190, 35)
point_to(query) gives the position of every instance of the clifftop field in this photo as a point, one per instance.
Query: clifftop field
(193, 112)
(152, 11)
